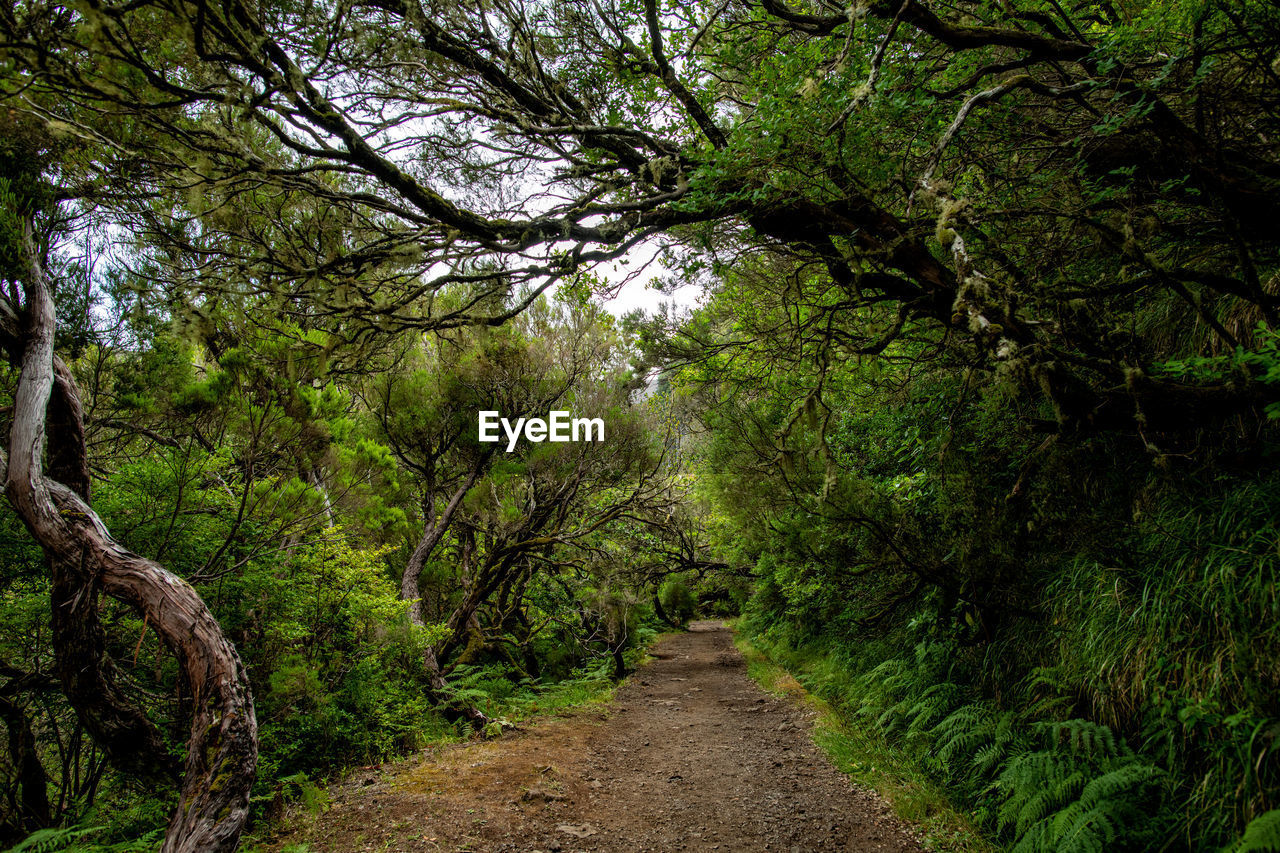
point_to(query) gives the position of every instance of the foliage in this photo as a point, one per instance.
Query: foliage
(80, 839)
(979, 405)
(870, 759)
(291, 499)
(1262, 834)
(677, 600)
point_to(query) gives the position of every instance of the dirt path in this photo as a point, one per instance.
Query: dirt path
(691, 756)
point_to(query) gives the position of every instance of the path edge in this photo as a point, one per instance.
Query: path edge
(870, 762)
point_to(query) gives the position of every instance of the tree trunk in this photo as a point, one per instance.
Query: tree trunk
(441, 690)
(34, 805)
(619, 663)
(431, 537)
(132, 743)
(222, 751)
(411, 592)
(661, 612)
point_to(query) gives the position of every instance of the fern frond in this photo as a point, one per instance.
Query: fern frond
(961, 734)
(1262, 835)
(1037, 840)
(1114, 785)
(1082, 828)
(1088, 738)
(55, 839)
(933, 705)
(1028, 784)
(990, 757)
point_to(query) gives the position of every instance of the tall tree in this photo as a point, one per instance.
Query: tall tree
(47, 482)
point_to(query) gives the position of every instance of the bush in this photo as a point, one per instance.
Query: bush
(677, 600)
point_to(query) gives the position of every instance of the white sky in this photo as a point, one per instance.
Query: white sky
(637, 293)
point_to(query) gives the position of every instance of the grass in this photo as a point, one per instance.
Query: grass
(873, 763)
(570, 694)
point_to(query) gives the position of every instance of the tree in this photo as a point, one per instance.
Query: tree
(53, 501)
(656, 119)
(508, 516)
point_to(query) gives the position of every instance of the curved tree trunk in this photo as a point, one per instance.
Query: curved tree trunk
(431, 537)
(661, 612)
(410, 591)
(222, 752)
(620, 670)
(132, 743)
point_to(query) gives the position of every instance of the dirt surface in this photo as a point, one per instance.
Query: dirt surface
(690, 756)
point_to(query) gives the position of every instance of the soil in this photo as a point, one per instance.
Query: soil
(690, 756)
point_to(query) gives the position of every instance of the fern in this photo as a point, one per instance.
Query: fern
(974, 741)
(1035, 840)
(1088, 738)
(1106, 804)
(890, 720)
(889, 679)
(962, 733)
(56, 840)
(932, 706)
(1004, 741)
(900, 694)
(1081, 828)
(1262, 835)
(1081, 794)
(1123, 780)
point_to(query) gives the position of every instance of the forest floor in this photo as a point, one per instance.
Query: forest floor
(689, 756)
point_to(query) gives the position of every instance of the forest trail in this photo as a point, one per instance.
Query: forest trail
(690, 756)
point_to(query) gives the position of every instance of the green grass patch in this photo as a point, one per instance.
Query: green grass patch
(872, 762)
(571, 694)
(589, 687)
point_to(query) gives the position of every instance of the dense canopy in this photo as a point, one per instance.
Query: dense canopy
(973, 424)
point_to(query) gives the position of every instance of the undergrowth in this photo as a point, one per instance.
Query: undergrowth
(871, 760)
(1033, 784)
(915, 728)
(503, 702)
